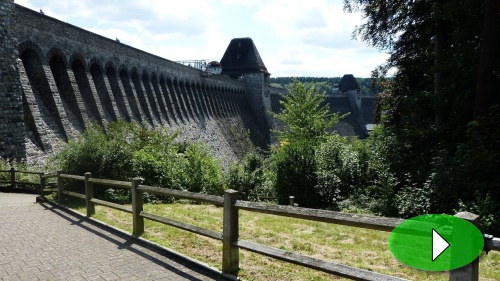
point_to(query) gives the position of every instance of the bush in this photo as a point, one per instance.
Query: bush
(247, 178)
(105, 155)
(125, 150)
(203, 172)
(338, 170)
(295, 167)
(306, 119)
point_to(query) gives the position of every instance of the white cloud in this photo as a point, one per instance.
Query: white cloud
(292, 36)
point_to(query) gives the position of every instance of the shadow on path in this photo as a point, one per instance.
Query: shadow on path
(133, 244)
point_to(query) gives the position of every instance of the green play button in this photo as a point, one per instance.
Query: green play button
(436, 242)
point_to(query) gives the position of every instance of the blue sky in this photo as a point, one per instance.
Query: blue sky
(294, 38)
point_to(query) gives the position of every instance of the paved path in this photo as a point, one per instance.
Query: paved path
(40, 242)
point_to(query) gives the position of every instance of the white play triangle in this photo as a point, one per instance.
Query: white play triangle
(439, 245)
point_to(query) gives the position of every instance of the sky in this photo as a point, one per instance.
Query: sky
(293, 37)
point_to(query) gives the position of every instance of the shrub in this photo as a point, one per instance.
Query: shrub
(338, 170)
(306, 119)
(249, 177)
(125, 150)
(203, 171)
(103, 154)
(295, 167)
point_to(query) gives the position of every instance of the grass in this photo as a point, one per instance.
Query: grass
(357, 247)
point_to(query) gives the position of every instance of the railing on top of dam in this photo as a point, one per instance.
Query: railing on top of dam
(230, 234)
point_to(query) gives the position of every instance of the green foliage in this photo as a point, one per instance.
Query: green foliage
(304, 116)
(295, 167)
(380, 181)
(20, 166)
(103, 154)
(489, 210)
(248, 177)
(125, 150)
(439, 153)
(353, 175)
(339, 170)
(203, 171)
(4, 165)
(306, 119)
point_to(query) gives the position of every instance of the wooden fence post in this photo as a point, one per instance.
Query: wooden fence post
(89, 194)
(12, 177)
(230, 233)
(59, 187)
(137, 220)
(468, 272)
(42, 183)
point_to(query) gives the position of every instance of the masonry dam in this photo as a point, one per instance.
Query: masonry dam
(56, 79)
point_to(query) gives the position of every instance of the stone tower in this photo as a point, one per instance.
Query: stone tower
(350, 87)
(242, 60)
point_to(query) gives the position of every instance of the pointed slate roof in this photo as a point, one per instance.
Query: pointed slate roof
(242, 57)
(348, 82)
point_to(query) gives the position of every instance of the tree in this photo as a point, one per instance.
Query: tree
(427, 110)
(306, 119)
(304, 114)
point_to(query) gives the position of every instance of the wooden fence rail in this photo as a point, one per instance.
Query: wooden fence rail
(13, 182)
(230, 234)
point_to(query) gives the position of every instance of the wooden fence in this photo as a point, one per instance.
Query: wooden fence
(230, 237)
(13, 182)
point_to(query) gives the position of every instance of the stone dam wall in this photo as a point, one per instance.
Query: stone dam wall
(56, 79)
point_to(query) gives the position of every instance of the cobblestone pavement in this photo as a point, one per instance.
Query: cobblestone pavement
(42, 242)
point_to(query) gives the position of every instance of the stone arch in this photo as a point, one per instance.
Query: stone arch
(225, 99)
(145, 74)
(154, 75)
(202, 99)
(95, 61)
(27, 45)
(181, 91)
(116, 89)
(214, 91)
(97, 72)
(123, 68)
(193, 104)
(232, 97)
(202, 109)
(130, 93)
(77, 57)
(179, 98)
(80, 69)
(41, 113)
(208, 99)
(54, 51)
(160, 96)
(237, 100)
(59, 66)
(150, 95)
(167, 96)
(212, 95)
(110, 64)
(134, 70)
(136, 80)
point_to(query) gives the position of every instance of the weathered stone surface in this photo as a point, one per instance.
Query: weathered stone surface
(57, 78)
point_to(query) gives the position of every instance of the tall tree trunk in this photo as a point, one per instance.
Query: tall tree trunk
(438, 52)
(484, 94)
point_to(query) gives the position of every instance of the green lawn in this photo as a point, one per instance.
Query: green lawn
(362, 248)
